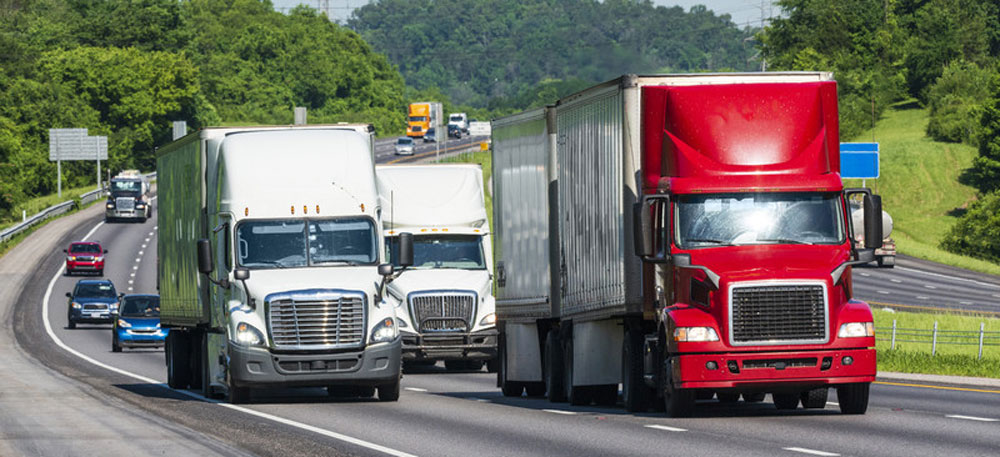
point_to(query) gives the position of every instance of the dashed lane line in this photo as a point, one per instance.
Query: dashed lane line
(810, 451)
(666, 428)
(971, 418)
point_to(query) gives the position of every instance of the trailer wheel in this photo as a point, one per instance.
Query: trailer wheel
(534, 389)
(389, 392)
(727, 398)
(553, 365)
(785, 400)
(635, 394)
(853, 398)
(815, 398)
(605, 395)
(755, 397)
(676, 402)
(178, 361)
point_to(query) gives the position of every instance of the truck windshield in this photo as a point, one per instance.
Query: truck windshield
(418, 118)
(299, 243)
(463, 252)
(760, 218)
(125, 186)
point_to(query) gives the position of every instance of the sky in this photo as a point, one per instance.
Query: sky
(743, 12)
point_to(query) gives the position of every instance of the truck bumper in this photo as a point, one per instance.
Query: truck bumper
(372, 366)
(480, 345)
(112, 214)
(766, 369)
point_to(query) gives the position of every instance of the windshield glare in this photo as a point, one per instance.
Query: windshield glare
(125, 186)
(441, 251)
(763, 218)
(95, 290)
(300, 243)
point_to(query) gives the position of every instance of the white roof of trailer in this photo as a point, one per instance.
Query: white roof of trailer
(431, 195)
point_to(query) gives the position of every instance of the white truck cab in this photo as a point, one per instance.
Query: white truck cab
(445, 300)
(459, 120)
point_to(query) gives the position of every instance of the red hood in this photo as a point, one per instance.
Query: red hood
(770, 262)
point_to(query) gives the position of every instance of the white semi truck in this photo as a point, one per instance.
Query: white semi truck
(269, 269)
(128, 197)
(445, 301)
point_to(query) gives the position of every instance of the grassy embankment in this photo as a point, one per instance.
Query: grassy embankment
(33, 206)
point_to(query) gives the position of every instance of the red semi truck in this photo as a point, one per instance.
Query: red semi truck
(685, 237)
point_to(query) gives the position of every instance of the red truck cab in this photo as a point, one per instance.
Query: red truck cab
(747, 248)
(85, 256)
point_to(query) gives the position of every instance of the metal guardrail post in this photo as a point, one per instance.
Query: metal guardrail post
(982, 328)
(893, 345)
(934, 341)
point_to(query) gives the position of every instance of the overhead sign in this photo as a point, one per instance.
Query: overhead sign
(74, 144)
(859, 160)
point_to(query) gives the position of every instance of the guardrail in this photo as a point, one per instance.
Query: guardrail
(55, 210)
(935, 336)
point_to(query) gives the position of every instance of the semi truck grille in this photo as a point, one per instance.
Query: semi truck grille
(125, 203)
(314, 322)
(450, 312)
(778, 314)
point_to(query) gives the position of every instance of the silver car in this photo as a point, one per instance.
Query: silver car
(404, 146)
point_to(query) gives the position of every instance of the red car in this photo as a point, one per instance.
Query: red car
(85, 256)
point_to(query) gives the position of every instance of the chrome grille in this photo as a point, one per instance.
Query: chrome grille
(317, 321)
(778, 314)
(125, 203)
(443, 312)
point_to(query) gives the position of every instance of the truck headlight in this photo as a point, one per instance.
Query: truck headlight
(856, 330)
(489, 319)
(76, 305)
(695, 334)
(248, 335)
(124, 323)
(384, 331)
(110, 205)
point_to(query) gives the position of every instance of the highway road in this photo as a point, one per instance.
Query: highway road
(462, 414)
(919, 284)
(385, 149)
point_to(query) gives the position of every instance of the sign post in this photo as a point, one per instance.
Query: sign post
(74, 144)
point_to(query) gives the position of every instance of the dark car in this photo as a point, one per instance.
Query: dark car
(138, 323)
(454, 131)
(431, 135)
(85, 256)
(92, 301)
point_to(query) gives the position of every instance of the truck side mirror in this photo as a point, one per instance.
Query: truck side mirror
(105, 251)
(241, 273)
(65, 251)
(69, 295)
(385, 269)
(873, 221)
(643, 227)
(405, 249)
(205, 264)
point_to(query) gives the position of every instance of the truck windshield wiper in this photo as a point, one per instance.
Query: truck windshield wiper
(784, 240)
(707, 240)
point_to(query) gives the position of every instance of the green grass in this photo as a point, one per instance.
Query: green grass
(919, 185)
(485, 160)
(37, 204)
(913, 352)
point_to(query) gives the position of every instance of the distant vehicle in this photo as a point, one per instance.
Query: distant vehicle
(430, 136)
(885, 256)
(404, 146)
(459, 120)
(92, 301)
(129, 197)
(454, 131)
(138, 323)
(85, 256)
(421, 117)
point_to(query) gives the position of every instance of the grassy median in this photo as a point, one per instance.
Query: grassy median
(956, 352)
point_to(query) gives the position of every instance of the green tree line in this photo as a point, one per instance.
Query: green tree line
(127, 68)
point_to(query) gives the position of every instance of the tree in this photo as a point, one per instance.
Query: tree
(977, 233)
(956, 102)
(985, 171)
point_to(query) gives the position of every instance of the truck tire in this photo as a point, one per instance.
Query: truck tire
(534, 389)
(492, 365)
(676, 402)
(605, 395)
(755, 397)
(853, 398)
(887, 261)
(389, 392)
(635, 394)
(178, 361)
(553, 368)
(576, 395)
(237, 395)
(785, 400)
(508, 388)
(815, 398)
(727, 398)
(115, 347)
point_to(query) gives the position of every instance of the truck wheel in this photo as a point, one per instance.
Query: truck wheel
(785, 400)
(389, 392)
(635, 394)
(237, 395)
(492, 365)
(508, 388)
(727, 398)
(755, 397)
(577, 395)
(534, 389)
(887, 261)
(178, 361)
(115, 347)
(676, 402)
(605, 395)
(553, 365)
(853, 398)
(815, 398)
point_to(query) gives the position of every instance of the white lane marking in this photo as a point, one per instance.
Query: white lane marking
(144, 245)
(130, 289)
(559, 411)
(996, 295)
(866, 274)
(972, 418)
(930, 286)
(138, 259)
(953, 278)
(273, 418)
(481, 400)
(131, 281)
(897, 281)
(810, 451)
(923, 297)
(667, 428)
(140, 252)
(132, 274)
(415, 389)
(135, 267)
(883, 292)
(965, 303)
(150, 233)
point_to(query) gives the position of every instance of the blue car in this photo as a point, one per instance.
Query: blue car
(92, 301)
(138, 323)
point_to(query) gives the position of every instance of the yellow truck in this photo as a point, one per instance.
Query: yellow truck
(421, 117)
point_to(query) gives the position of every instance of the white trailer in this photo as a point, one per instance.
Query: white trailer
(270, 246)
(445, 301)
